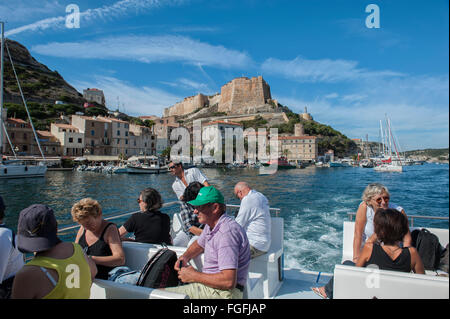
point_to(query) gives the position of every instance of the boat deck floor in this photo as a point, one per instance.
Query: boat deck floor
(297, 284)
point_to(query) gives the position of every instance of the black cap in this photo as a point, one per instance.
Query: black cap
(37, 229)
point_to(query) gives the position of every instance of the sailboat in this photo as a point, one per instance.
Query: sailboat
(15, 168)
(389, 161)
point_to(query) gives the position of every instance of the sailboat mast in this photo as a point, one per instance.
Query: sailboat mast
(2, 25)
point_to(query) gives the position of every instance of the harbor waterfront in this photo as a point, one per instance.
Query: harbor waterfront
(314, 202)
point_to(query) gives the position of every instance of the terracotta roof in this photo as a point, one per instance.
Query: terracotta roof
(110, 119)
(224, 122)
(296, 137)
(18, 121)
(65, 126)
(44, 133)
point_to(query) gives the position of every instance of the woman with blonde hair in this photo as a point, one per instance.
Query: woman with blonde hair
(374, 197)
(99, 238)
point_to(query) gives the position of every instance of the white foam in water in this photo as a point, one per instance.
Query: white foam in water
(313, 239)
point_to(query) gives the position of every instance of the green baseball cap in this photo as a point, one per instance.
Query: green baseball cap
(206, 195)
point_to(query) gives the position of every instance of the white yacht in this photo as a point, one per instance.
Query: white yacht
(15, 168)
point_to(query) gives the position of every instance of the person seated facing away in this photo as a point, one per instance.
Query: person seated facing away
(254, 217)
(99, 238)
(11, 259)
(191, 227)
(59, 270)
(150, 225)
(386, 252)
(226, 253)
(375, 196)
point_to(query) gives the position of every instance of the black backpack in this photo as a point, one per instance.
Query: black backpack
(428, 247)
(159, 271)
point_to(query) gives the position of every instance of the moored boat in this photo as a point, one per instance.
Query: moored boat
(16, 168)
(281, 163)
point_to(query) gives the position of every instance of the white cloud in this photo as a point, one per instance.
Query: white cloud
(184, 83)
(323, 70)
(417, 107)
(119, 8)
(333, 95)
(23, 10)
(148, 49)
(132, 100)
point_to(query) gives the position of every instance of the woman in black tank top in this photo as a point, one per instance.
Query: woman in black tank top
(390, 227)
(99, 238)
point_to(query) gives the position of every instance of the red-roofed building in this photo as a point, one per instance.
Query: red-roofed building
(21, 136)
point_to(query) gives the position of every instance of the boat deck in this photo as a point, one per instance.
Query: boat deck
(297, 284)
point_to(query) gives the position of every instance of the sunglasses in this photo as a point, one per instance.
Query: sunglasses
(385, 198)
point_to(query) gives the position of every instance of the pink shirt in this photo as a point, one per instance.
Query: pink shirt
(226, 247)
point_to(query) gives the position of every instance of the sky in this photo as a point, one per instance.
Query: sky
(351, 65)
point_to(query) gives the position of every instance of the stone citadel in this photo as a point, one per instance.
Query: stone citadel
(239, 96)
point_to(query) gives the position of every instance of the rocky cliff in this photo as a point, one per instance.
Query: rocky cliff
(38, 82)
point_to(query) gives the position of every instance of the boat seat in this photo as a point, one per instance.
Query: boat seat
(352, 282)
(105, 289)
(254, 287)
(270, 265)
(349, 230)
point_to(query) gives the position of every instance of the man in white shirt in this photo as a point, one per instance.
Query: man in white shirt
(254, 217)
(190, 221)
(11, 259)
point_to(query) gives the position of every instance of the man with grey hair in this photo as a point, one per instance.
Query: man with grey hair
(254, 217)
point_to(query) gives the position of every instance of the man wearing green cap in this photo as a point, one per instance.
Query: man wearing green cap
(226, 252)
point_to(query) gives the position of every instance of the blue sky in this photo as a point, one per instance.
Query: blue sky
(150, 54)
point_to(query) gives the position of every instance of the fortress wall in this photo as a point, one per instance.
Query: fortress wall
(242, 93)
(188, 105)
(239, 96)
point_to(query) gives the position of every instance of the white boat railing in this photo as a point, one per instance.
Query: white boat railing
(411, 218)
(168, 204)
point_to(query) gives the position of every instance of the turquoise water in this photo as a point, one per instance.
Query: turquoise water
(314, 201)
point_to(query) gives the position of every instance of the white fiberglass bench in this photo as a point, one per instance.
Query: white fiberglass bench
(105, 289)
(352, 282)
(358, 282)
(349, 230)
(267, 268)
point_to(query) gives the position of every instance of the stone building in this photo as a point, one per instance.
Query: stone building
(21, 136)
(97, 134)
(94, 95)
(239, 96)
(72, 141)
(142, 141)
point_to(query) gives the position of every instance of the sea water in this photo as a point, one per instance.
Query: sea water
(314, 202)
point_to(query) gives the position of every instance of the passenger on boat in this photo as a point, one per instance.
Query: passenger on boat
(99, 238)
(150, 225)
(182, 179)
(59, 270)
(386, 252)
(226, 253)
(375, 196)
(254, 217)
(191, 226)
(11, 259)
